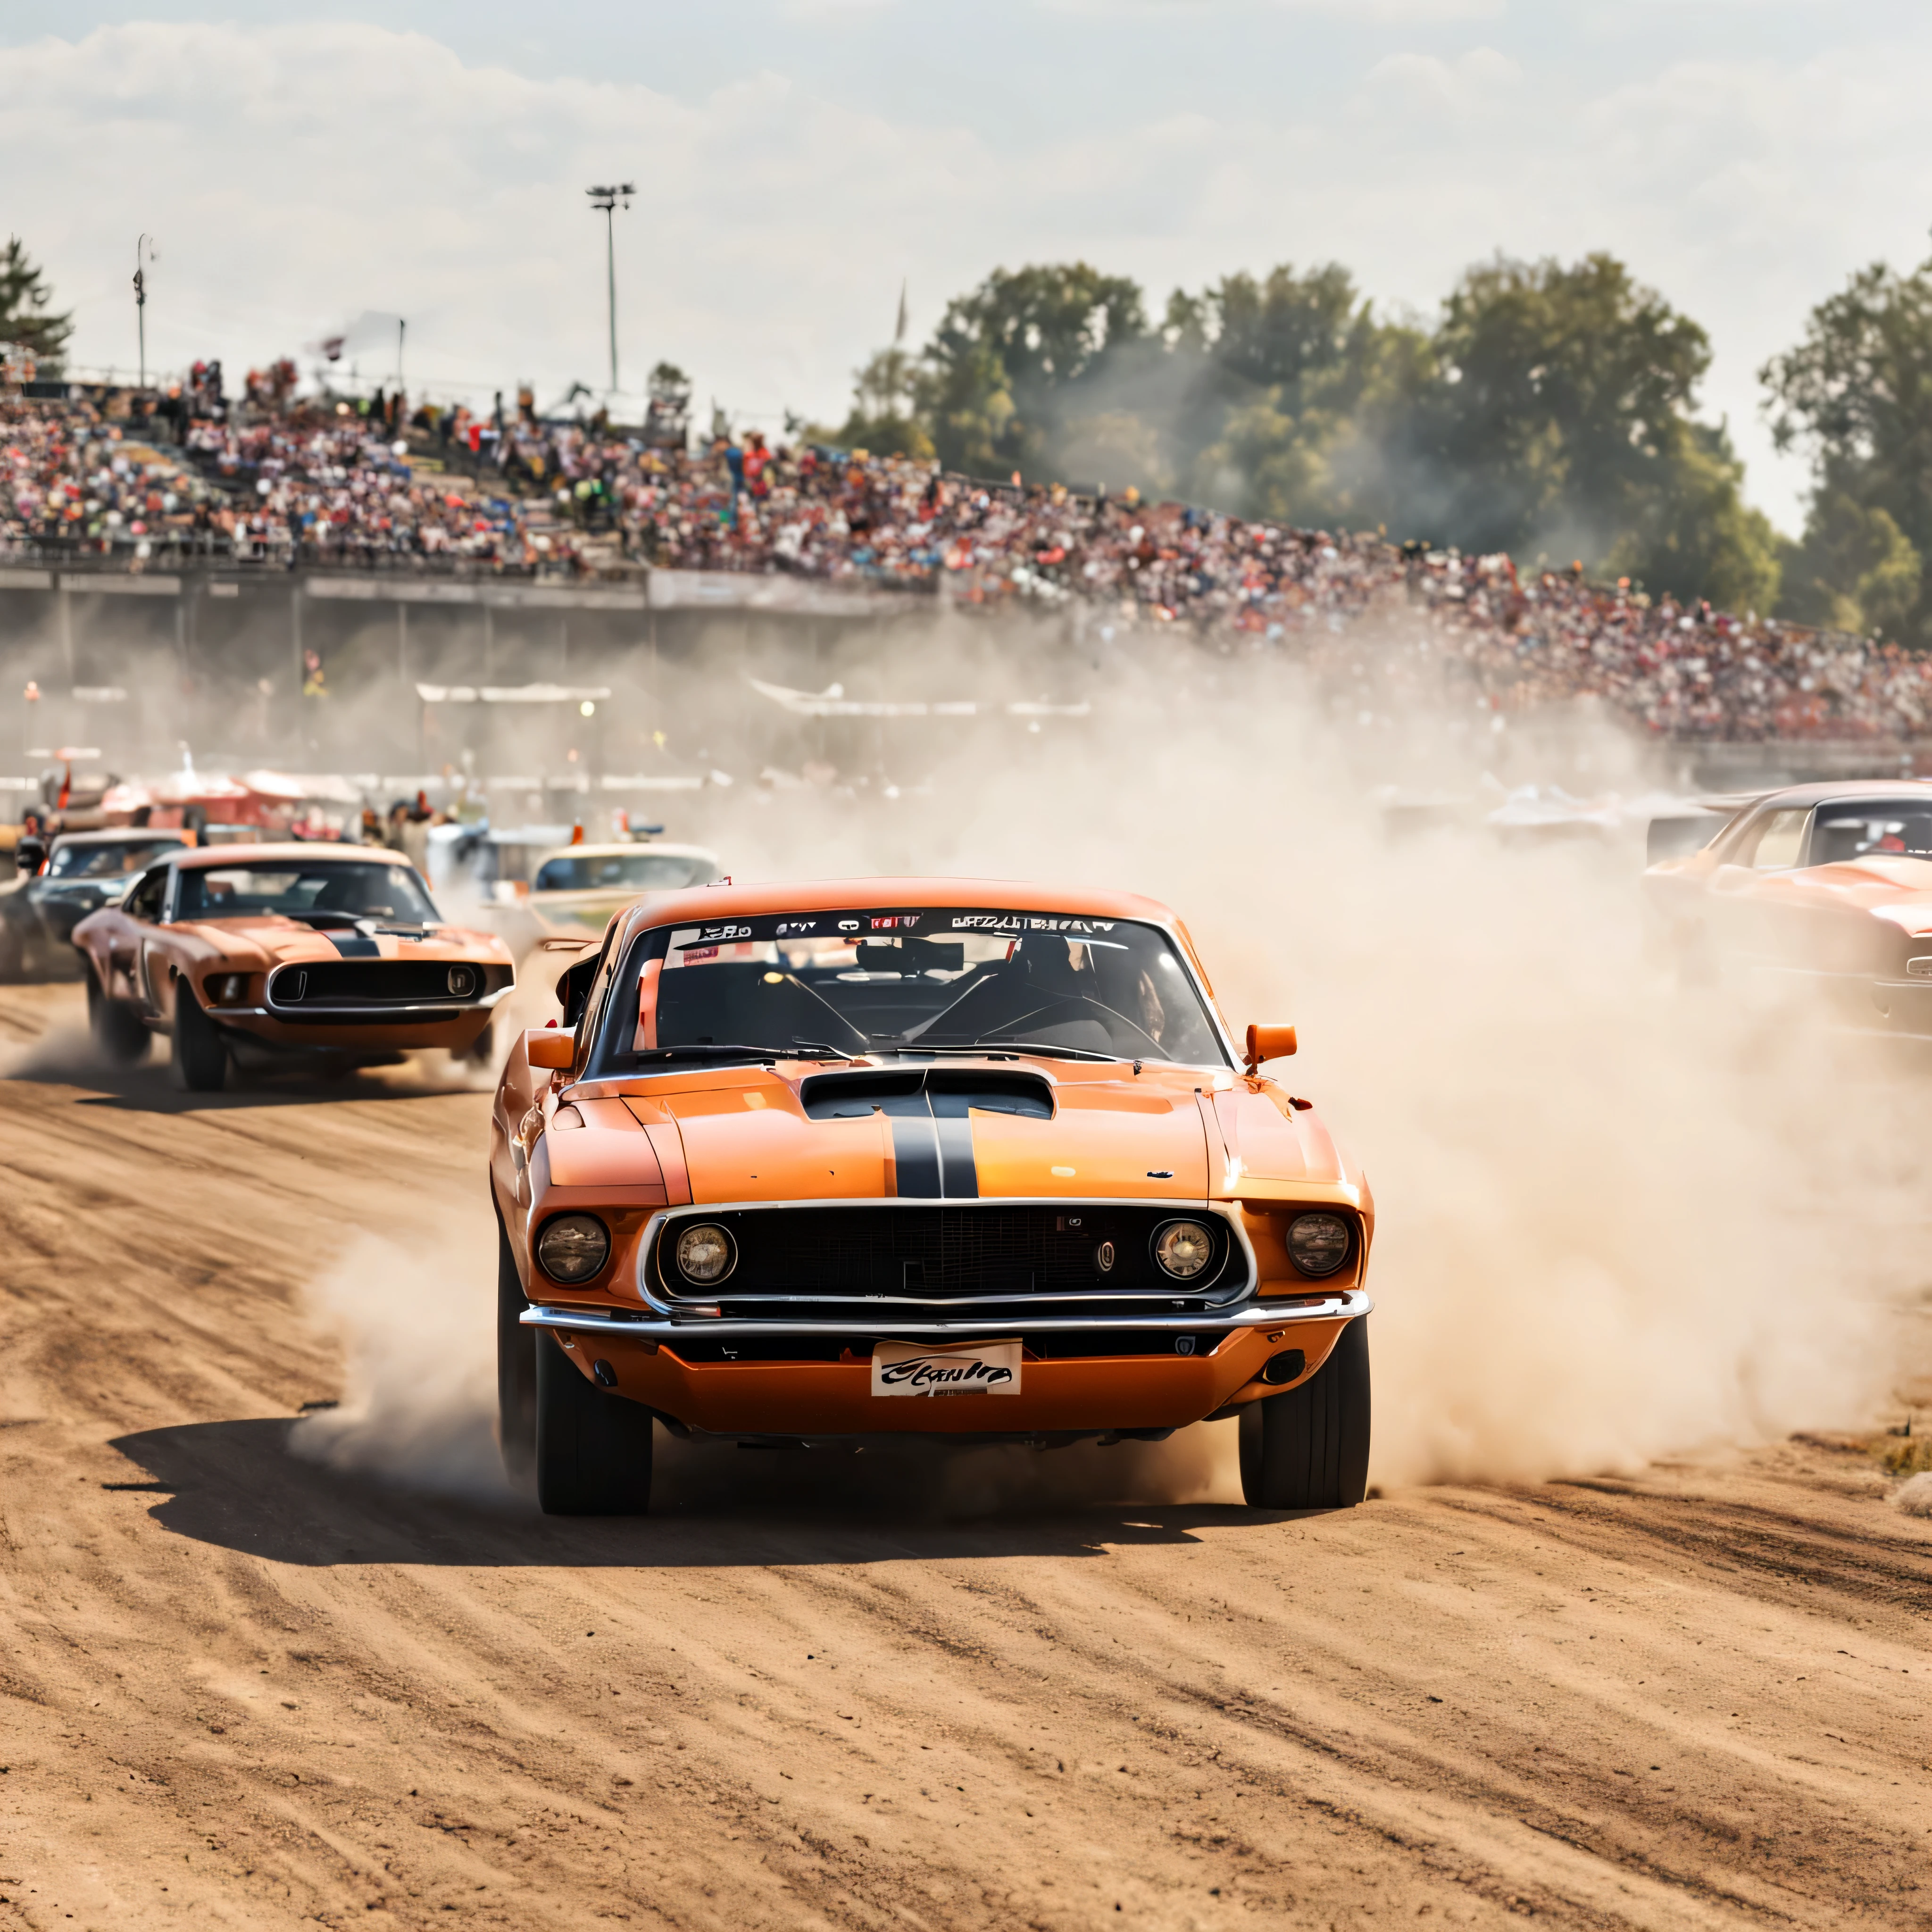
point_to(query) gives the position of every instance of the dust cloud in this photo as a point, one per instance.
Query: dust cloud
(1618, 1221)
(419, 1396)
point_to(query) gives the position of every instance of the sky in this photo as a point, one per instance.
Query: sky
(303, 163)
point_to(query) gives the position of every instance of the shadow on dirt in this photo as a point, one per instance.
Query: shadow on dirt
(233, 1485)
(69, 1058)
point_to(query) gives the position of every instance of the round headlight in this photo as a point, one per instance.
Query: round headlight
(462, 982)
(573, 1247)
(1318, 1244)
(1183, 1248)
(705, 1254)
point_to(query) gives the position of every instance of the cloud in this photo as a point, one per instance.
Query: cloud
(298, 175)
(1401, 13)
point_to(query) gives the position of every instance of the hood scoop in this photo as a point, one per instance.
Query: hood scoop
(948, 1092)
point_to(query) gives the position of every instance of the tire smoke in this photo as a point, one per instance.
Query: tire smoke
(1617, 1221)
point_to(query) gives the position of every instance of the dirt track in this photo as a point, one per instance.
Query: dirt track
(239, 1689)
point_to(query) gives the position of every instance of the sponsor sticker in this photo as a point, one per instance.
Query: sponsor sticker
(1021, 922)
(968, 1368)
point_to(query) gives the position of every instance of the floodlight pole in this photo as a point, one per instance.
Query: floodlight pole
(606, 201)
(144, 251)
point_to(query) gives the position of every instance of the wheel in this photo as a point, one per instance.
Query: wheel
(116, 1028)
(200, 1058)
(516, 1368)
(593, 1450)
(478, 1053)
(1308, 1449)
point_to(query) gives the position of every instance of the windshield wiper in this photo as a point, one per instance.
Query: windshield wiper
(1045, 1050)
(726, 1050)
(817, 1049)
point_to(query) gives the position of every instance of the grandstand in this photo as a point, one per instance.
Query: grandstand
(296, 504)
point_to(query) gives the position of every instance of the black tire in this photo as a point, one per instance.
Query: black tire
(593, 1450)
(516, 1369)
(117, 1028)
(1308, 1449)
(479, 1052)
(199, 1055)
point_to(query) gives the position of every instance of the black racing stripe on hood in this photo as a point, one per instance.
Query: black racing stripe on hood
(353, 945)
(932, 1158)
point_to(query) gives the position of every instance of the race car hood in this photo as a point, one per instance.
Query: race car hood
(280, 940)
(1011, 1130)
(1894, 888)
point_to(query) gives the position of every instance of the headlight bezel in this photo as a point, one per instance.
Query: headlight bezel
(601, 1249)
(1204, 1270)
(690, 1231)
(1314, 1269)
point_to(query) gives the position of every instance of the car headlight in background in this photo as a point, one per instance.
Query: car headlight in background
(1182, 1249)
(573, 1247)
(227, 989)
(705, 1254)
(1317, 1244)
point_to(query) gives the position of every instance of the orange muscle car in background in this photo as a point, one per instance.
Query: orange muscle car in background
(887, 1157)
(1828, 886)
(330, 955)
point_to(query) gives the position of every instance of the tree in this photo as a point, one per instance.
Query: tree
(1855, 570)
(26, 316)
(884, 417)
(1297, 378)
(1001, 367)
(1856, 392)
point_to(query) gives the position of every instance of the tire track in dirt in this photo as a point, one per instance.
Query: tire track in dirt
(238, 1688)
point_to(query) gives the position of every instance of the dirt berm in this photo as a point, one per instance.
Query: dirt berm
(241, 1688)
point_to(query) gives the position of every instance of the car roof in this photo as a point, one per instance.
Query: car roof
(706, 904)
(1820, 790)
(119, 835)
(618, 848)
(200, 858)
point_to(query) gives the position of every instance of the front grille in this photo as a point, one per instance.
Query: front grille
(382, 983)
(830, 1257)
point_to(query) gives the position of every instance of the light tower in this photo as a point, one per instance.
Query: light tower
(144, 255)
(607, 201)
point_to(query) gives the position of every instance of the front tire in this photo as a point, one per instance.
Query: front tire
(200, 1058)
(516, 1368)
(593, 1450)
(1308, 1449)
(117, 1028)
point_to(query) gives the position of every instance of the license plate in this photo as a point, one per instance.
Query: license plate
(966, 1368)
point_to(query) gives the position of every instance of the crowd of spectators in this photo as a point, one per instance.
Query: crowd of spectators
(1678, 670)
(275, 478)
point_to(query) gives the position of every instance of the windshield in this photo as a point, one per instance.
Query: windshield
(107, 859)
(622, 872)
(348, 890)
(1858, 827)
(933, 979)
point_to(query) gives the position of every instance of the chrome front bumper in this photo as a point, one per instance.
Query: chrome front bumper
(1344, 1304)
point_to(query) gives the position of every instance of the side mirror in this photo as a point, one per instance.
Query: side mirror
(1269, 1042)
(552, 1048)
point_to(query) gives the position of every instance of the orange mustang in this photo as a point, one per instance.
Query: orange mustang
(334, 955)
(947, 1157)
